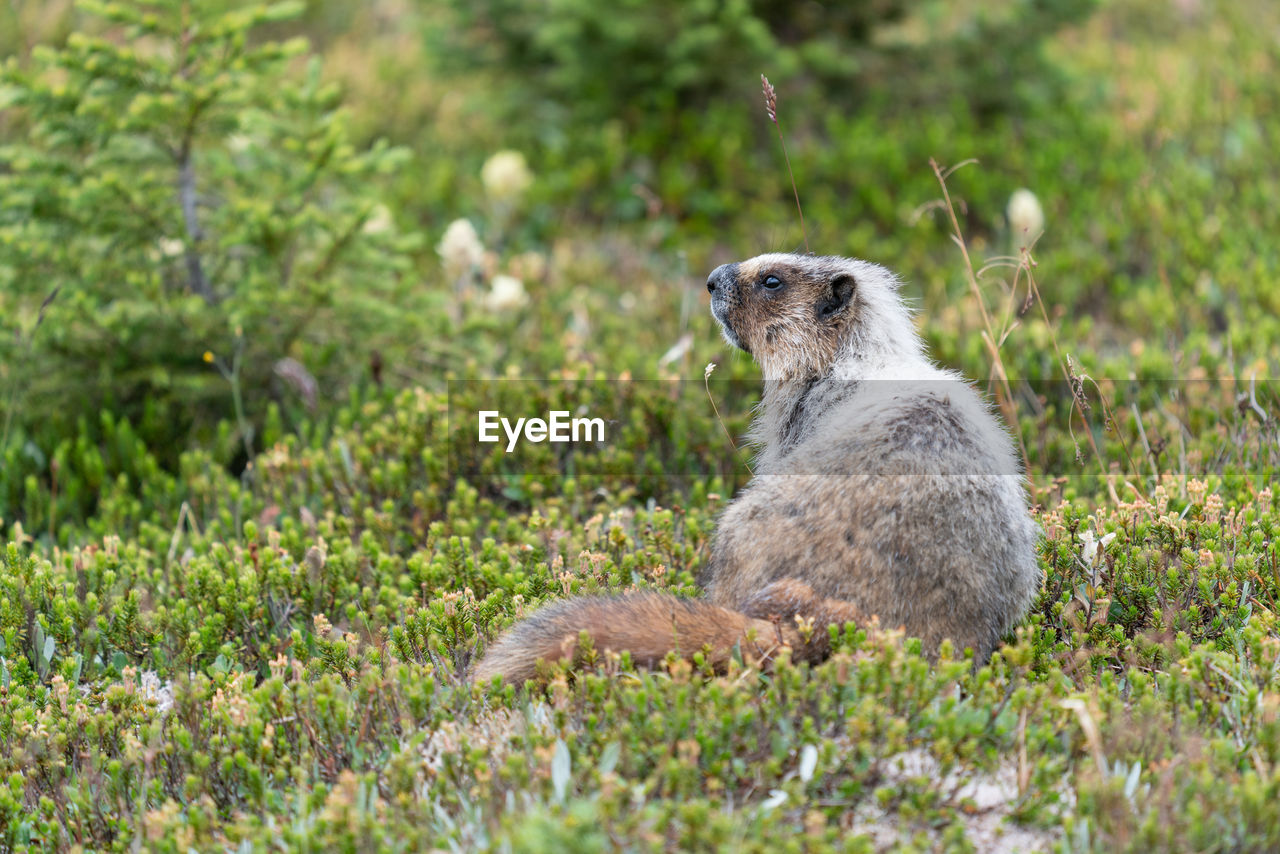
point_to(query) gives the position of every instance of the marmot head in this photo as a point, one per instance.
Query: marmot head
(800, 314)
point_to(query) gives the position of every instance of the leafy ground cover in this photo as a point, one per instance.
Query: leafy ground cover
(251, 628)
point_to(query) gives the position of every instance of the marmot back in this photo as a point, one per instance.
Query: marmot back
(885, 487)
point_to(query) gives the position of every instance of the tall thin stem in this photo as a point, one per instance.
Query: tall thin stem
(771, 107)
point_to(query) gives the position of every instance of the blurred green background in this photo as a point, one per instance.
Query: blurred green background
(219, 219)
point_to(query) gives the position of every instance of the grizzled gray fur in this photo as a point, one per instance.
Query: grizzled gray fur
(885, 488)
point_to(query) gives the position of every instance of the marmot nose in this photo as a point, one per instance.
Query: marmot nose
(721, 276)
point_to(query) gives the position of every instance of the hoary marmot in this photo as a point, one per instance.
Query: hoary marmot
(885, 488)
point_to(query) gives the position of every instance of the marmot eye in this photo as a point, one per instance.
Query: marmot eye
(773, 283)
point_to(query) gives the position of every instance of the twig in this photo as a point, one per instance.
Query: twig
(1253, 398)
(1142, 434)
(187, 195)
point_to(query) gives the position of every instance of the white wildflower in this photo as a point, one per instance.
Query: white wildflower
(154, 689)
(1089, 546)
(1026, 217)
(460, 248)
(171, 247)
(506, 176)
(777, 797)
(506, 292)
(808, 762)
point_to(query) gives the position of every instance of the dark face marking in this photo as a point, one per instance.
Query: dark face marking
(838, 296)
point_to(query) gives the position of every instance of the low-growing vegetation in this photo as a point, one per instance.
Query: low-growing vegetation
(248, 554)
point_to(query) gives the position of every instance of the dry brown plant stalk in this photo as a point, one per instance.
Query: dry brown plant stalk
(1025, 267)
(771, 107)
(706, 383)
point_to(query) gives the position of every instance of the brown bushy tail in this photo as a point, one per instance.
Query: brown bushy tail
(647, 625)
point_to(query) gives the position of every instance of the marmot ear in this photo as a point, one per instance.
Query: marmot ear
(840, 295)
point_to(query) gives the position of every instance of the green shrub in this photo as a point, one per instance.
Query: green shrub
(666, 95)
(198, 658)
(186, 210)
